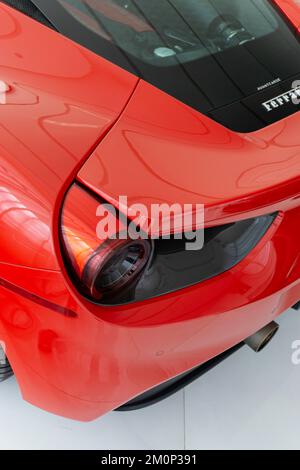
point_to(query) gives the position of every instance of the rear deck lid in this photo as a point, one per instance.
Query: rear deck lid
(162, 151)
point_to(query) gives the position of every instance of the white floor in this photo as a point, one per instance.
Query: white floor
(248, 401)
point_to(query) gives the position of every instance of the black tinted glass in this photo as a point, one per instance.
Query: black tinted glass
(206, 53)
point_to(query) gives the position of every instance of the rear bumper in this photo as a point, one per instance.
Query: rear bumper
(82, 360)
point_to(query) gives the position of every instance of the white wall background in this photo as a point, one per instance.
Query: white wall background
(250, 401)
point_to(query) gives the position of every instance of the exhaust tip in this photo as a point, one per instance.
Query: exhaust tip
(262, 338)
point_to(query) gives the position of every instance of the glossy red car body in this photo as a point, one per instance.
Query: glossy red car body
(69, 115)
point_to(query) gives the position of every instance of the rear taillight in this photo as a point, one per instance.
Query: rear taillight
(114, 267)
(102, 267)
(115, 270)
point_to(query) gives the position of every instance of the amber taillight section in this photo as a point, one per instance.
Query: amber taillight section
(102, 267)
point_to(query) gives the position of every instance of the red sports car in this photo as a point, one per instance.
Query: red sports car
(108, 109)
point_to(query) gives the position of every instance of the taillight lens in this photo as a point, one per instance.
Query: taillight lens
(115, 271)
(103, 267)
(115, 267)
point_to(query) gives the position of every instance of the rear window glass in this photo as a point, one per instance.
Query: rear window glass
(206, 53)
(166, 32)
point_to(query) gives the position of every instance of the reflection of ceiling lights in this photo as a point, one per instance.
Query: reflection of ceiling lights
(4, 89)
(164, 52)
